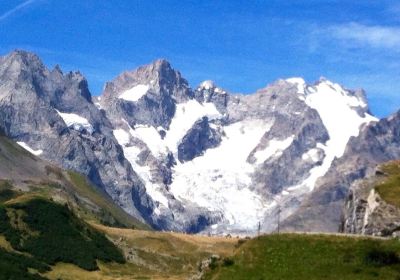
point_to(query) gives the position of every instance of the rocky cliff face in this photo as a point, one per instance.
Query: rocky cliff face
(377, 143)
(188, 159)
(365, 210)
(52, 114)
(232, 157)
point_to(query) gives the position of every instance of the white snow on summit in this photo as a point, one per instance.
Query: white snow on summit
(135, 93)
(207, 85)
(335, 107)
(29, 149)
(75, 121)
(299, 82)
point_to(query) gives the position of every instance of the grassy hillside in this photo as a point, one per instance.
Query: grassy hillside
(389, 189)
(55, 224)
(106, 211)
(152, 255)
(50, 233)
(40, 239)
(18, 266)
(294, 256)
(20, 170)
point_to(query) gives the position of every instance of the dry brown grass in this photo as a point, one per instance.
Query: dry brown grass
(5, 244)
(152, 255)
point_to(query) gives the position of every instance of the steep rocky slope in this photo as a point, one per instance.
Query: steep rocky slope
(52, 114)
(233, 158)
(372, 205)
(26, 176)
(322, 210)
(179, 158)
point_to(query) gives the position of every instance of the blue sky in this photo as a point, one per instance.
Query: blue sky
(241, 45)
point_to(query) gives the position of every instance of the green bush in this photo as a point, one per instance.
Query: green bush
(228, 262)
(15, 266)
(61, 237)
(381, 257)
(6, 192)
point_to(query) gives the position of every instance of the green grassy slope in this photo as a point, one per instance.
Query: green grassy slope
(18, 266)
(389, 188)
(108, 213)
(21, 170)
(50, 233)
(293, 256)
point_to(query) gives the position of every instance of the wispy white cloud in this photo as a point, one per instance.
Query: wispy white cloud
(16, 9)
(386, 37)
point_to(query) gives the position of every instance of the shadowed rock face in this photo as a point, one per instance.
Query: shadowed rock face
(190, 159)
(377, 143)
(31, 97)
(157, 107)
(198, 139)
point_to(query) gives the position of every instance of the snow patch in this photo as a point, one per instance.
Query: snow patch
(312, 154)
(29, 149)
(274, 148)
(151, 137)
(219, 180)
(299, 82)
(135, 93)
(335, 107)
(186, 115)
(207, 85)
(122, 136)
(144, 172)
(76, 122)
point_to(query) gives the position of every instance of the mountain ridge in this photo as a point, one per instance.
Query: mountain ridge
(185, 158)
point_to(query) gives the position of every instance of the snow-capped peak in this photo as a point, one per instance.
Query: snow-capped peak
(299, 82)
(296, 80)
(207, 85)
(210, 85)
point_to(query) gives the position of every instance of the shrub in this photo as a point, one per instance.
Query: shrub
(62, 236)
(15, 266)
(381, 257)
(228, 262)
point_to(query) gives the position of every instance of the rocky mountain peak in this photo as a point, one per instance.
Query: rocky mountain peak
(208, 91)
(24, 57)
(161, 64)
(208, 84)
(25, 70)
(170, 155)
(158, 77)
(21, 65)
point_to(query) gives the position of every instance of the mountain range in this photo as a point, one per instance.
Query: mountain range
(201, 159)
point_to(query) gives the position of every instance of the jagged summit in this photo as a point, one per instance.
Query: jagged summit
(181, 158)
(161, 64)
(21, 62)
(158, 77)
(208, 84)
(26, 56)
